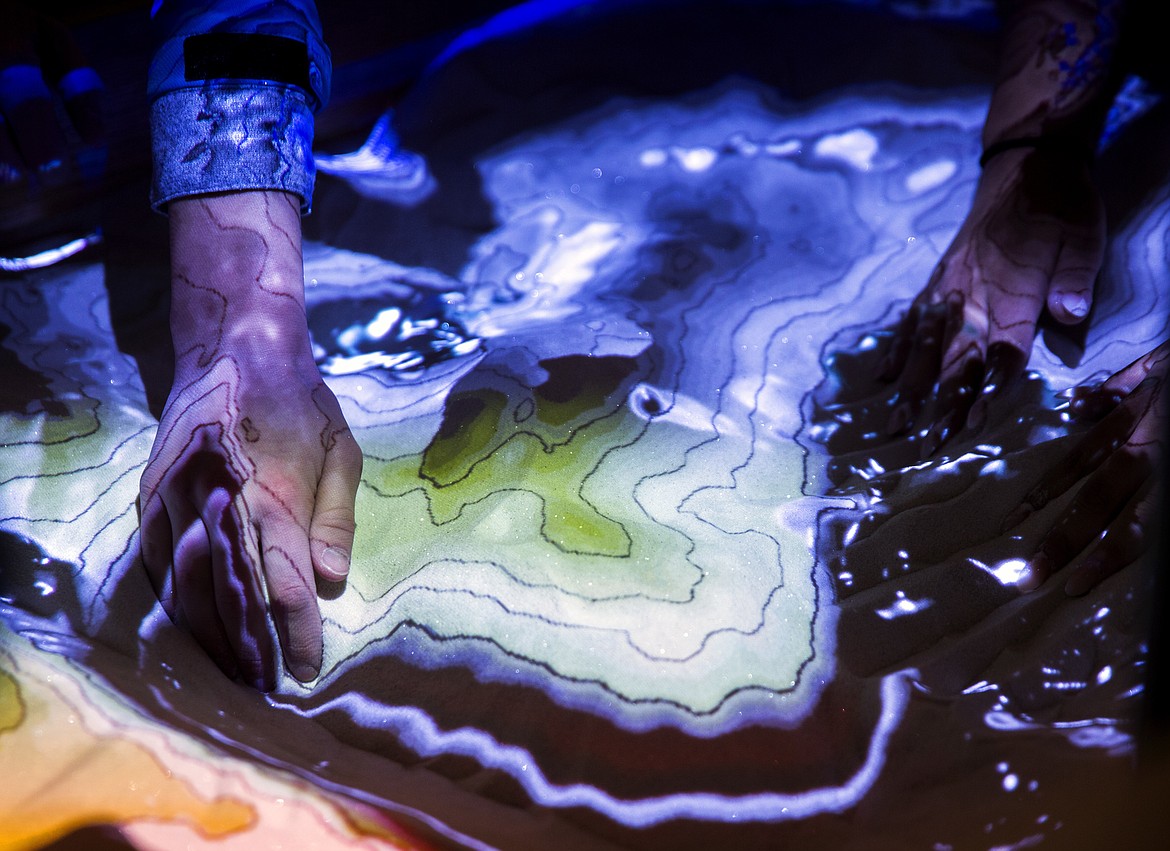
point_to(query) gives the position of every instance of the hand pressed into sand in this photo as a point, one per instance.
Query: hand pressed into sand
(1110, 516)
(250, 486)
(1034, 240)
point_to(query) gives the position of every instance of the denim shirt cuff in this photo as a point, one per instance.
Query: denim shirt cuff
(228, 136)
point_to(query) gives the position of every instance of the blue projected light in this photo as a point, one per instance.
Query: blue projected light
(635, 564)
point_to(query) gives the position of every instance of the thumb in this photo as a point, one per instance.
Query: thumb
(1070, 291)
(332, 528)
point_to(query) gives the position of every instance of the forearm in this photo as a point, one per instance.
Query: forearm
(1057, 72)
(237, 278)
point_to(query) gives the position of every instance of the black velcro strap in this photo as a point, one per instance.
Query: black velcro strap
(243, 56)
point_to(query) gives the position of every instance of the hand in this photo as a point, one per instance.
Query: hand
(36, 52)
(1111, 512)
(251, 483)
(1034, 239)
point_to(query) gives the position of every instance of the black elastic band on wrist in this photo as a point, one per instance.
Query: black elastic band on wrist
(246, 56)
(1051, 144)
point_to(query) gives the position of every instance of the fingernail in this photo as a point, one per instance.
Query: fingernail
(304, 673)
(1075, 305)
(1028, 580)
(1035, 574)
(335, 560)
(1080, 582)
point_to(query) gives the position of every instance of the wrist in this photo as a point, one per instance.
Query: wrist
(237, 280)
(237, 246)
(254, 334)
(1057, 75)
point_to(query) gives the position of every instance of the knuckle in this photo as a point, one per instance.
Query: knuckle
(348, 450)
(340, 518)
(290, 595)
(275, 512)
